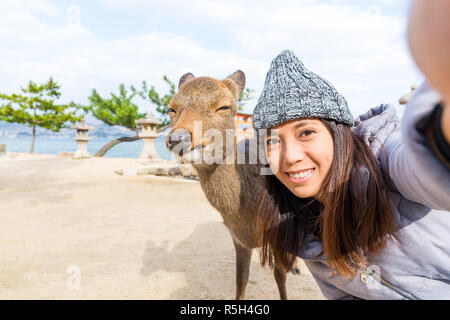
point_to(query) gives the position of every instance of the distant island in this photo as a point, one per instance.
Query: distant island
(14, 130)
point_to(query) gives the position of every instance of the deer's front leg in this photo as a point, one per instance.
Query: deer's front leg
(280, 277)
(243, 258)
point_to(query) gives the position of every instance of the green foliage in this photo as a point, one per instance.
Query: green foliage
(161, 102)
(36, 106)
(246, 95)
(119, 110)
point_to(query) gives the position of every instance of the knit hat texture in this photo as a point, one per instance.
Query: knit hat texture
(291, 91)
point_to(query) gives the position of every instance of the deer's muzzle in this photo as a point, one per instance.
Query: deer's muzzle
(179, 141)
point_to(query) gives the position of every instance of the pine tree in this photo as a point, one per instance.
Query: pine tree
(119, 110)
(36, 107)
(246, 95)
(161, 102)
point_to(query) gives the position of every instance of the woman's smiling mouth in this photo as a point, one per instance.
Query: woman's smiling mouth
(300, 176)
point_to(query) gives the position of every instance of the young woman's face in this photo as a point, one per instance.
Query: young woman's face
(300, 153)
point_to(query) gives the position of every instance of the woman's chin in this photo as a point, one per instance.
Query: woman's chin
(304, 193)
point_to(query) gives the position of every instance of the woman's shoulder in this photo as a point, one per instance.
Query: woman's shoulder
(377, 125)
(407, 157)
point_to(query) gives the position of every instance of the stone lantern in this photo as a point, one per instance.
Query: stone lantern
(148, 134)
(82, 139)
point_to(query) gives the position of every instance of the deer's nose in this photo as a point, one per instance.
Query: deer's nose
(179, 136)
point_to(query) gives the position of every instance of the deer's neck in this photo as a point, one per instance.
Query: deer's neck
(221, 185)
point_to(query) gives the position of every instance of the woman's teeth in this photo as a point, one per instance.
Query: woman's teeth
(301, 174)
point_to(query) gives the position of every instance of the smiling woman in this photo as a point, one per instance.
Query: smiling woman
(315, 156)
(303, 152)
(345, 195)
(322, 161)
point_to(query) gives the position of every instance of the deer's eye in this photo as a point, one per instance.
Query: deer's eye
(223, 108)
(172, 110)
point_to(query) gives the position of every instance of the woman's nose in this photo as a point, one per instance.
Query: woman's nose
(292, 153)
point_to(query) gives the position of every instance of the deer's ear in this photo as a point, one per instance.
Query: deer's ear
(235, 82)
(185, 78)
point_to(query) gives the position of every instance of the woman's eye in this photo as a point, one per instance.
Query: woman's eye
(273, 141)
(306, 133)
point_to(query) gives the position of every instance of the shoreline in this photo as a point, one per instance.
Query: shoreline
(131, 149)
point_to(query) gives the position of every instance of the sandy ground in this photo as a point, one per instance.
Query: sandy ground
(72, 229)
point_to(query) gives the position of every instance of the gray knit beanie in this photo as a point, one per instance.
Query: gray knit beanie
(291, 91)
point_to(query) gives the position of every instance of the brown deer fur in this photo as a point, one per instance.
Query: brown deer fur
(233, 189)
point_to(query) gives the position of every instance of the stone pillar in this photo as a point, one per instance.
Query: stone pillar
(149, 151)
(82, 139)
(2, 150)
(148, 135)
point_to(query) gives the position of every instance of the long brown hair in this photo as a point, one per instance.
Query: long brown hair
(353, 219)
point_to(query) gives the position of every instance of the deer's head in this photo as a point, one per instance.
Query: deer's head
(202, 117)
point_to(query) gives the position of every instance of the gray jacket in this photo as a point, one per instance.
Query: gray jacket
(416, 262)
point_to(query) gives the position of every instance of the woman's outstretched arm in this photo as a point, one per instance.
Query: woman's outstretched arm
(429, 42)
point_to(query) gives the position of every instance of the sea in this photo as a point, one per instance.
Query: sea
(54, 145)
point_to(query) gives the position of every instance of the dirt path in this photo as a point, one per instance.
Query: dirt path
(122, 237)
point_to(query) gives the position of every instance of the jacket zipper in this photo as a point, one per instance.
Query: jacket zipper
(365, 278)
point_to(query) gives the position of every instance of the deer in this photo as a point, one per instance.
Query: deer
(231, 187)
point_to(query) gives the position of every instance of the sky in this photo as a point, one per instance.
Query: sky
(359, 46)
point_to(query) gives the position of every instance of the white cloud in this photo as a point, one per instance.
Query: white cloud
(41, 6)
(360, 50)
(352, 45)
